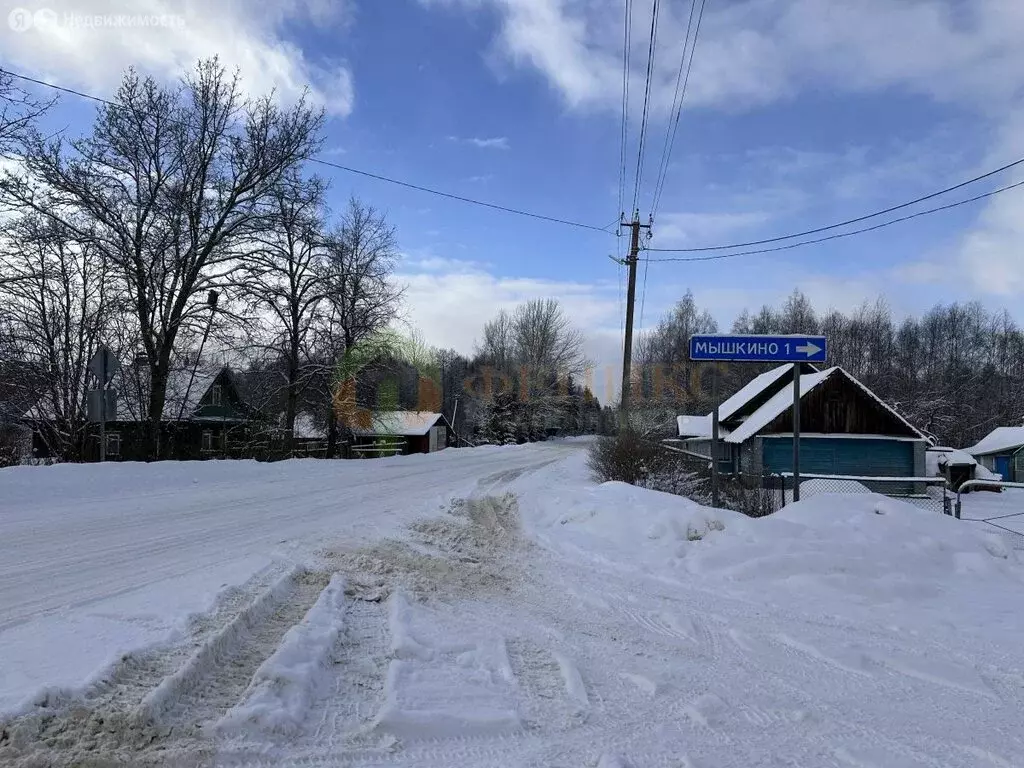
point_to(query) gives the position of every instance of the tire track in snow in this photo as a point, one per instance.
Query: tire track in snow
(217, 675)
(359, 667)
(104, 718)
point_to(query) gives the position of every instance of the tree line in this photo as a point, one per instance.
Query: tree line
(956, 372)
(185, 223)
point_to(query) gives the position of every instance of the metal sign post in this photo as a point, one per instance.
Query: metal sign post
(796, 433)
(103, 366)
(714, 435)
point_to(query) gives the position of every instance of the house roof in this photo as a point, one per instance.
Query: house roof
(751, 389)
(182, 398)
(779, 403)
(693, 426)
(402, 423)
(782, 401)
(306, 428)
(999, 439)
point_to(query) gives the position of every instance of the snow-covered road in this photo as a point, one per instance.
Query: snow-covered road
(99, 559)
(541, 620)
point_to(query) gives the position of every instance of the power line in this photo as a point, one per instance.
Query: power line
(626, 48)
(378, 177)
(460, 198)
(651, 50)
(836, 236)
(670, 134)
(859, 218)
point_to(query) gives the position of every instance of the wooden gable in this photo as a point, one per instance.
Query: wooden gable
(839, 405)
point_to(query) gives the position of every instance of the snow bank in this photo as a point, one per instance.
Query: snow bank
(850, 553)
(614, 522)
(283, 686)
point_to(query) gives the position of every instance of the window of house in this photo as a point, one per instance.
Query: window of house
(113, 443)
(207, 440)
(216, 394)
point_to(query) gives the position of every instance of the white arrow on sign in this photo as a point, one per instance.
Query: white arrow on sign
(809, 349)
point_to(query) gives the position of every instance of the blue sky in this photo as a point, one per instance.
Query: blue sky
(799, 113)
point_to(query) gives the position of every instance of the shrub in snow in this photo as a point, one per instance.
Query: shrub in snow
(629, 457)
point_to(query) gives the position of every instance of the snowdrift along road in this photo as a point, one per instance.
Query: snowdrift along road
(493, 608)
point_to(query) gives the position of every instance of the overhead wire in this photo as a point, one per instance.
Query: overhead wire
(348, 169)
(651, 54)
(651, 58)
(677, 104)
(856, 220)
(624, 131)
(837, 236)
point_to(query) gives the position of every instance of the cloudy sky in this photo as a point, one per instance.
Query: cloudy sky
(799, 113)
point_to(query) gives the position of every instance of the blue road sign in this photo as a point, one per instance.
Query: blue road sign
(758, 349)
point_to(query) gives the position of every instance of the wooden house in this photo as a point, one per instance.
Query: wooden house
(1002, 452)
(845, 429)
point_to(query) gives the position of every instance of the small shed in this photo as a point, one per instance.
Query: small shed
(956, 466)
(1002, 452)
(401, 432)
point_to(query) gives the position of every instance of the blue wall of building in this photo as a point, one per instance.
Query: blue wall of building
(841, 456)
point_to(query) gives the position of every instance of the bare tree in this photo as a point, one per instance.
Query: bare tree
(18, 112)
(285, 275)
(57, 305)
(171, 182)
(362, 296)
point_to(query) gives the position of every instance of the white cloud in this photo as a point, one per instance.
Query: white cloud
(90, 44)
(496, 142)
(688, 229)
(754, 52)
(449, 301)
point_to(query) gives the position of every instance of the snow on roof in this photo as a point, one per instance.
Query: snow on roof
(999, 439)
(305, 427)
(403, 423)
(952, 456)
(694, 426)
(782, 400)
(776, 406)
(752, 389)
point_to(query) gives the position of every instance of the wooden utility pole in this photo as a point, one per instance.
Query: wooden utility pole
(627, 352)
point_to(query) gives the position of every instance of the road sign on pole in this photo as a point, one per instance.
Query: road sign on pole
(104, 366)
(758, 349)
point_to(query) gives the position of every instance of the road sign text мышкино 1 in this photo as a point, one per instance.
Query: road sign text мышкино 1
(758, 349)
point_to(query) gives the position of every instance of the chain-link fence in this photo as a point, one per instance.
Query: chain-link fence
(1005, 518)
(758, 495)
(931, 493)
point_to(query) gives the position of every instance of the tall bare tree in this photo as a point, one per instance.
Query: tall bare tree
(171, 181)
(363, 297)
(57, 304)
(286, 277)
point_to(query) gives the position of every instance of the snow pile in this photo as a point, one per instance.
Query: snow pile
(852, 552)
(614, 522)
(278, 699)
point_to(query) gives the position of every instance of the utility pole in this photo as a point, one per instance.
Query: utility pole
(627, 352)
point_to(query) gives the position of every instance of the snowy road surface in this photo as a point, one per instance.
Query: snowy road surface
(493, 607)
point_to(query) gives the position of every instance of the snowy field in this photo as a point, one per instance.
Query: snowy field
(494, 607)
